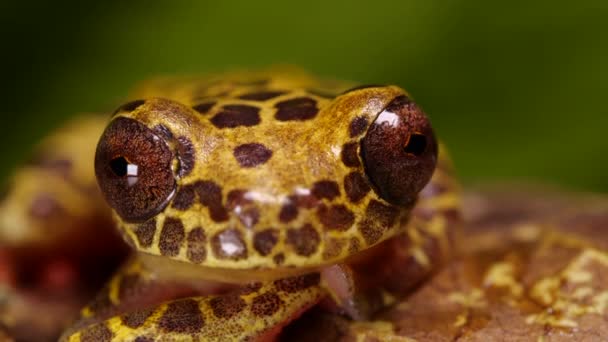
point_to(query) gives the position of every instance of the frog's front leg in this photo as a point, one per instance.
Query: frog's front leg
(256, 311)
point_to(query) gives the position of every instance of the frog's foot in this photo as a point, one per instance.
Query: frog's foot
(136, 305)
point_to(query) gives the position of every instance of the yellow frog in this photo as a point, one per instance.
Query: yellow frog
(252, 196)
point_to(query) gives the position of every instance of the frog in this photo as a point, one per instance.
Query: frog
(250, 197)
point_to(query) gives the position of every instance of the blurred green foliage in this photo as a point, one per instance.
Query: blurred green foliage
(517, 89)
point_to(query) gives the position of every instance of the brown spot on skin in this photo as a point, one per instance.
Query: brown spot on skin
(301, 108)
(236, 198)
(336, 217)
(326, 189)
(129, 106)
(204, 108)
(136, 318)
(182, 316)
(229, 244)
(184, 198)
(96, 333)
(145, 233)
(379, 219)
(399, 152)
(185, 155)
(210, 195)
(354, 246)
(266, 304)
(45, 206)
(171, 237)
(304, 201)
(357, 126)
(289, 211)
(251, 155)
(333, 248)
(197, 251)
(261, 95)
(356, 186)
(227, 306)
(299, 283)
(264, 241)
(163, 131)
(232, 116)
(304, 241)
(133, 169)
(349, 155)
(385, 215)
(371, 231)
(279, 259)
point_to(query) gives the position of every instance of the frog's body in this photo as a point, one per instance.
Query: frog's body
(277, 180)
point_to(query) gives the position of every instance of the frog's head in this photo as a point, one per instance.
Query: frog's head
(273, 179)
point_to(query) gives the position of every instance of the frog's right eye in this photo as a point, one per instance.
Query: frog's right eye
(133, 169)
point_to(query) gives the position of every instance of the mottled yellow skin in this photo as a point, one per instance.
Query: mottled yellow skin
(303, 152)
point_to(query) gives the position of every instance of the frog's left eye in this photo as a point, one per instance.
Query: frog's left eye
(399, 151)
(133, 168)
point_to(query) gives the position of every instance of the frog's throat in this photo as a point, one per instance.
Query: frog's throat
(165, 268)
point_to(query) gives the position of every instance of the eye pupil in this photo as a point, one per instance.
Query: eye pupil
(416, 144)
(119, 166)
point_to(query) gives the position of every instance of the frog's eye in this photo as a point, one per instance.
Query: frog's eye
(399, 151)
(133, 168)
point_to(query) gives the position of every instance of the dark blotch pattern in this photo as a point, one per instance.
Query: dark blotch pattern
(96, 333)
(356, 186)
(266, 304)
(171, 237)
(357, 126)
(384, 214)
(304, 241)
(129, 106)
(185, 155)
(251, 155)
(204, 108)
(326, 189)
(371, 231)
(183, 316)
(136, 318)
(288, 213)
(349, 155)
(301, 108)
(261, 95)
(229, 244)
(299, 283)
(145, 233)
(227, 306)
(232, 116)
(264, 241)
(279, 259)
(336, 217)
(184, 198)
(197, 241)
(210, 195)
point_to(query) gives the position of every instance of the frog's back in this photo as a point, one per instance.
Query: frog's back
(266, 169)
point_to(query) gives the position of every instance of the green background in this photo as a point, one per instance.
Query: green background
(518, 90)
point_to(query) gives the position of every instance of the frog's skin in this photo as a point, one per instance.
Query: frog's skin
(262, 194)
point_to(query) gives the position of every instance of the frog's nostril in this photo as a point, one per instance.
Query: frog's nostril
(415, 144)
